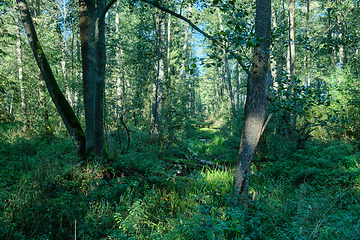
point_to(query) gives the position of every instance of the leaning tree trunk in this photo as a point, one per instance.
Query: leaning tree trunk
(257, 96)
(62, 105)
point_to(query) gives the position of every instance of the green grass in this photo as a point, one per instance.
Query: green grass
(155, 193)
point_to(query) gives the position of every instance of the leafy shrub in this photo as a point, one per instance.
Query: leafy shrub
(333, 164)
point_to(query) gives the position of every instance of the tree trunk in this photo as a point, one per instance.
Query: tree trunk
(227, 69)
(237, 86)
(158, 87)
(117, 58)
(168, 57)
(62, 105)
(273, 63)
(331, 50)
(291, 60)
(92, 35)
(341, 45)
(291, 48)
(64, 50)
(21, 77)
(184, 52)
(307, 52)
(257, 96)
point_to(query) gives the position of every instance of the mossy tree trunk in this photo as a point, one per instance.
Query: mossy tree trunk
(62, 105)
(92, 35)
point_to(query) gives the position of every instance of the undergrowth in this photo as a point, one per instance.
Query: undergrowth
(153, 192)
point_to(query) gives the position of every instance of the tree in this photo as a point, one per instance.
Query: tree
(259, 81)
(158, 87)
(62, 105)
(92, 34)
(93, 52)
(291, 57)
(226, 67)
(20, 73)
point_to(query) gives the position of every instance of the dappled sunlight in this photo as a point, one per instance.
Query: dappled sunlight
(173, 96)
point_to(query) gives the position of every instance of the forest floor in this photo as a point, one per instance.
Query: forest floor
(181, 190)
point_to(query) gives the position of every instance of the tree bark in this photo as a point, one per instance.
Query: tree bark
(158, 87)
(341, 45)
(227, 69)
(168, 56)
(117, 58)
(291, 48)
(273, 63)
(307, 52)
(258, 85)
(64, 50)
(21, 77)
(184, 52)
(92, 35)
(62, 105)
(291, 60)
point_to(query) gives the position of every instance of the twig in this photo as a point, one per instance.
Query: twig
(264, 126)
(202, 161)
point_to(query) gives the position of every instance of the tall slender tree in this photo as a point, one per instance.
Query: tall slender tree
(227, 75)
(21, 76)
(158, 86)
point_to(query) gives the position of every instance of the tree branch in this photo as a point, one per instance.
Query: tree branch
(107, 9)
(267, 121)
(212, 38)
(184, 19)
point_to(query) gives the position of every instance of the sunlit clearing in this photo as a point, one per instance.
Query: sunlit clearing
(218, 180)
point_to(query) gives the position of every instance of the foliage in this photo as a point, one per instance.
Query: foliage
(291, 99)
(330, 165)
(181, 187)
(311, 193)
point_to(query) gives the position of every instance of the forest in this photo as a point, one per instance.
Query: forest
(191, 119)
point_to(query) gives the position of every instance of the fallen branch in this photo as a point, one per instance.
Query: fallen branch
(202, 161)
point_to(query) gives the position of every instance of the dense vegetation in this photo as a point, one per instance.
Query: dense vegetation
(173, 116)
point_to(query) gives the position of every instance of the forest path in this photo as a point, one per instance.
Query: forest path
(208, 142)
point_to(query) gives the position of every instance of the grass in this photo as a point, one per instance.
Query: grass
(313, 193)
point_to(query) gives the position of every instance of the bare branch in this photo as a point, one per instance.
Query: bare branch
(267, 121)
(212, 38)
